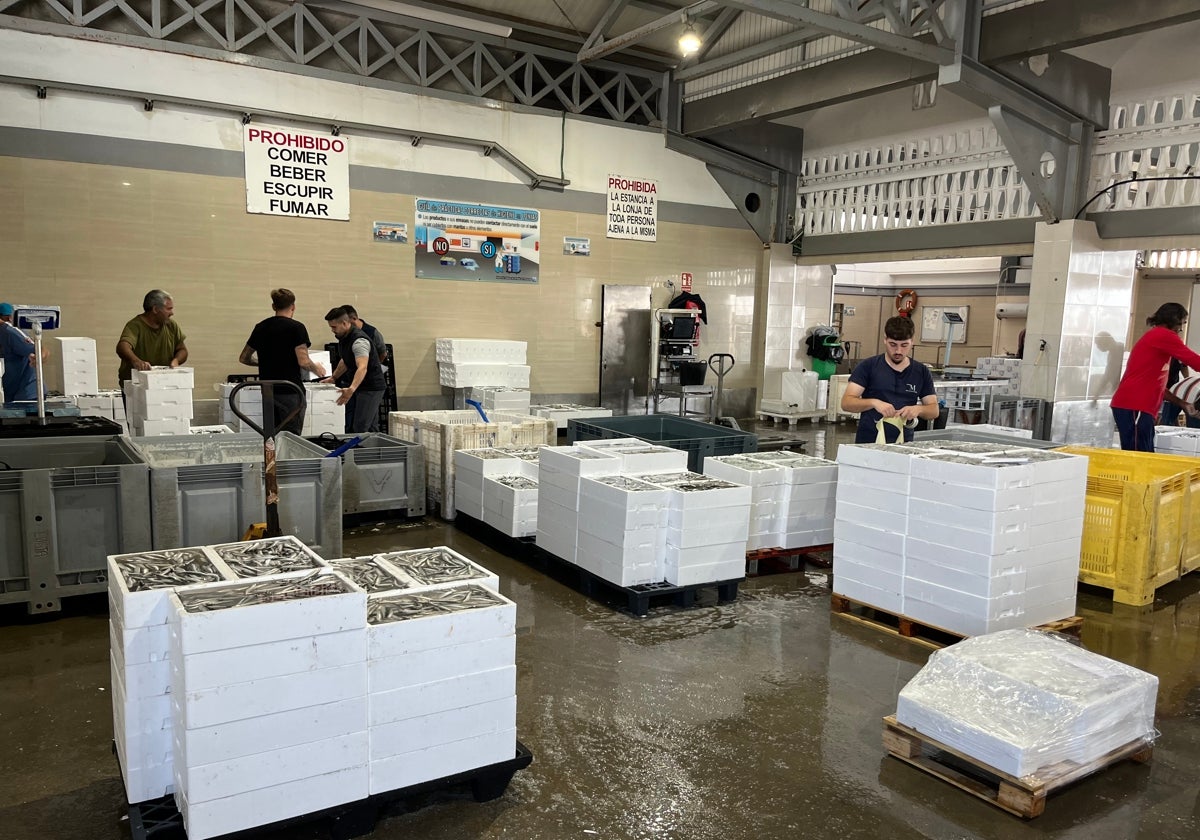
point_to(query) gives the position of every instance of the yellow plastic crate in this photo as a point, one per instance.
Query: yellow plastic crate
(1139, 528)
(441, 433)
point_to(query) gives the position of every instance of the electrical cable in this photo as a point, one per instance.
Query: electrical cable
(1113, 186)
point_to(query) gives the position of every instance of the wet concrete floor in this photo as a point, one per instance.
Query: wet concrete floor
(755, 719)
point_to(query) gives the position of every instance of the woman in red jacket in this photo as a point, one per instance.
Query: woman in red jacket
(1138, 398)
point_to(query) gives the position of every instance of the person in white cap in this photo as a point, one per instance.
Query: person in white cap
(17, 350)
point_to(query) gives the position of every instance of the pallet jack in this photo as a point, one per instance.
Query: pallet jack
(270, 528)
(717, 364)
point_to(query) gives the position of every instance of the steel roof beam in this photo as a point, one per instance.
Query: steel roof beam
(711, 35)
(631, 37)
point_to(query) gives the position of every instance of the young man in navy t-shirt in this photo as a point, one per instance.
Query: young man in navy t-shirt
(891, 385)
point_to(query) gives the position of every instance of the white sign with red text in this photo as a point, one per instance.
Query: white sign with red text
(291, 172)
(632, 208)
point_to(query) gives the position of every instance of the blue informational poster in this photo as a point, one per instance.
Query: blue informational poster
(458, 240)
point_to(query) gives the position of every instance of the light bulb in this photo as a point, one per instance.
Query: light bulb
(689, 42)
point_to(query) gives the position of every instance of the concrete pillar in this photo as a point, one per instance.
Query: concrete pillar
(1077, 333)
(797, 298)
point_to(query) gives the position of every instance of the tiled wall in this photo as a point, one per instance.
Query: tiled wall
(871, 311)
(94, 238)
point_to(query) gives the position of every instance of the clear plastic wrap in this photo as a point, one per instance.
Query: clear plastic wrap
(1023, 701)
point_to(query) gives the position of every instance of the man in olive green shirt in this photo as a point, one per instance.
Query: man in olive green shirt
(151, 339)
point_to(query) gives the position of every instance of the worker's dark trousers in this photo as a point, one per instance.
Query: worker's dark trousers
(362, 411)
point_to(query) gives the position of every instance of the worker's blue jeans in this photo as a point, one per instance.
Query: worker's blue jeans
(1136, 429)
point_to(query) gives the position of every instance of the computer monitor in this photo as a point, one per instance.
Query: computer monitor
(683, 326)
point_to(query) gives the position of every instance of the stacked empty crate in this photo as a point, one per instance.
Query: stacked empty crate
(563, 413)
(500, 398)
(159, 401)
(442, 433)
(792, 496)
(969, 538)
(78, 370)
(291, 687)
(322, 414)
(470, 362)
(106, 404)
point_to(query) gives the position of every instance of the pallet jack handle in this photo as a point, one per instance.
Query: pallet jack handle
(268, 386)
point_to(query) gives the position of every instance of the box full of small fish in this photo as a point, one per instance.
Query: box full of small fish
(258, 682)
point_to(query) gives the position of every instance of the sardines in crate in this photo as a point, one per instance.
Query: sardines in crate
(311, 585)
(373, 574)
(138, 583)
(440, 566)
(277, 555)
(435, 602)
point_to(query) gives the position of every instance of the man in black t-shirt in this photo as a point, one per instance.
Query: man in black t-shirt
(891, 385)
(278, 346)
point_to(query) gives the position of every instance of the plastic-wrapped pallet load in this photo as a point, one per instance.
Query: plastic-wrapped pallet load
(139, 586)
(1022, 701)
(967, 537)
(441, 684)
(622, 529)
(269, 680)
(708, 525)
(560, 472)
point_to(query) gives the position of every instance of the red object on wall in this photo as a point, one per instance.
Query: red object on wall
(686, 279)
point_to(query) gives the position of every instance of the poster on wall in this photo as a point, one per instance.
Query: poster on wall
(292, 172)
(396, 232)
(632, 208)
(457, 240)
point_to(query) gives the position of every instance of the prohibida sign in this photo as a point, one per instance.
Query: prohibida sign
(290, 172)
(632, 208)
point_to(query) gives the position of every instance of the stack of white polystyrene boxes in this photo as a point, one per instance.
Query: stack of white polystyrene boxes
(560, 413)
(320, 357)
(499, 398)
(871, 523)
(139, 586)
(78, 369)
(993, 429)
(622, 529)
(1000, 367)
(994, 545)
(249, 402)
(160, 401)
(270, 701)
(442, 683)
(106, 404)
(1172, 440)
(560, 471)
(498, 487)
(471, 468)
(807, 513)
(1021, 701)
(470, 362)
(322, 413)
(968, 537)
(708, 525)
(768, 482)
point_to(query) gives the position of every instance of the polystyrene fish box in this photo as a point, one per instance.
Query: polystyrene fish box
(623, 492)
(1006, 582)
(441, 695)
(867, 557)
(635, 547)
(271, 556)
(512, 491)
(646, 458)
(272, 804)
(272, 732)
(939, 514)
(960, 612)
(741, 469)
(1049, 466)
(426, 619)
(887, 542)
(867, 593)
(420, 733)
(805, 538)
(679, 557)
(444, 760)
(165, 378)
(877, 496)
(271, 695)
(708, 493)
(439, 567)
(695, 536)
(139, 584)
(228, 777)
(484, 462)
(274, 659)
(892, 458)
(994, 473)
(157, 428)
(146, 679)
(577, 460)
(389, 673)
(289, 606)
(136, 645)
(710, 573)
(882, 520)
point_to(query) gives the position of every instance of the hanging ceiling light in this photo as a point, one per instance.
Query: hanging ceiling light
(689, 41)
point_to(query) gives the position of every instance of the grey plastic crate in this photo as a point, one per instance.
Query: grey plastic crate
(383, 473)
(699, 440)
(65, 505)
(208, 489)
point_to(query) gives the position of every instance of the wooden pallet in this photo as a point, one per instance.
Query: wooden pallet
(1024, 797)
(927, 635)
(769, 561)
